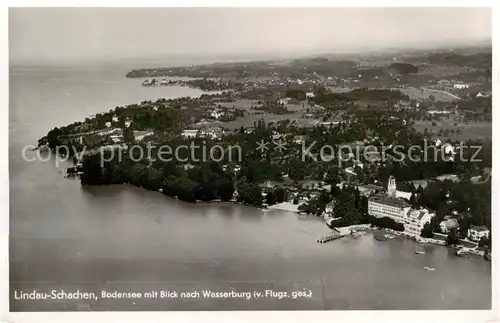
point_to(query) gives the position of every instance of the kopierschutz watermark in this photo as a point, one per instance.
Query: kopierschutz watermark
(397, 153)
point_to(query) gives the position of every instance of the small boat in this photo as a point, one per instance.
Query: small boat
(420, 252)
(381, 238)
(429, 268)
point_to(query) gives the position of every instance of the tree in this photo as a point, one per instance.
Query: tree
(250, 193)
(464, 225)
(452, 238)
(413, 199)
(92, 170)
(487, 253)
(482, 242)
(332, 176)
(296, 94)
(280, 194)
(53, 138)
(270, 199)
(225, 189)
(386, 222)
(427, 231)
(128, 135)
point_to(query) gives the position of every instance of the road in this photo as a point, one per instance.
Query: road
(444, 92)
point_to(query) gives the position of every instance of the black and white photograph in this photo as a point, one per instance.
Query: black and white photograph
(250, 159)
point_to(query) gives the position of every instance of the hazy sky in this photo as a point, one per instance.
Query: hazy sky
(105, 33)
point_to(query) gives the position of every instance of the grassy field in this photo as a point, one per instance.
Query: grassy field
(243, 104)
(441, 71)
(478, 130)
(423, 93)
(249, 119)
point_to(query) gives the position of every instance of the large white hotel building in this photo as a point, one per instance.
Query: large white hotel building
(382, 205)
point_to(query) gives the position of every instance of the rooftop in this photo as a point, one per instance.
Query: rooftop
(479, 228)
(383, 199)
(372, 187)
(451, 223)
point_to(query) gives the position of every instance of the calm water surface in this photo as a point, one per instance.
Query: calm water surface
(128, 239)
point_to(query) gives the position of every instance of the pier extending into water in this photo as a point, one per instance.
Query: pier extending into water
(343, 232)
(329, 237)
(334, 235)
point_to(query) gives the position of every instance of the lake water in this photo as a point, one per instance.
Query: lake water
(123, 238)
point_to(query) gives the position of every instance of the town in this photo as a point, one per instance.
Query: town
(273, 111)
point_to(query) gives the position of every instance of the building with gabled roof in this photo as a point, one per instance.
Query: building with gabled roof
(393, 205)
(475, 233)
(415, 220)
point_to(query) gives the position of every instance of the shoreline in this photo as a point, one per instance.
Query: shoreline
(344, 231)
(285, 206)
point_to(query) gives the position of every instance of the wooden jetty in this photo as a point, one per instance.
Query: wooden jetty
(330, 237)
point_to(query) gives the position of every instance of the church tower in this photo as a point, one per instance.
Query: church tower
(391, 187)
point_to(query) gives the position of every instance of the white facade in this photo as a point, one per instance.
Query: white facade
(350, 170)
(139, 135)
(212, 134)
(299, 139)
(189, 133)
(449, 149)
(216, 114)
(415, 220)
(391, 187)
(451, 177)
(392, 206)
(461, 86)
(116, 138)
(309, 95)
(476, 233)
(396, 209)
(438, 112)
(381, 206)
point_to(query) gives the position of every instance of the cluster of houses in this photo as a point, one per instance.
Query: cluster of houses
(381, 203)
(438, 148)
(115, 120)
(474, 233)
(276, 81)
(116, 135)
(211, 132)
(453, 84)
(393, 205)
(219, 113)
